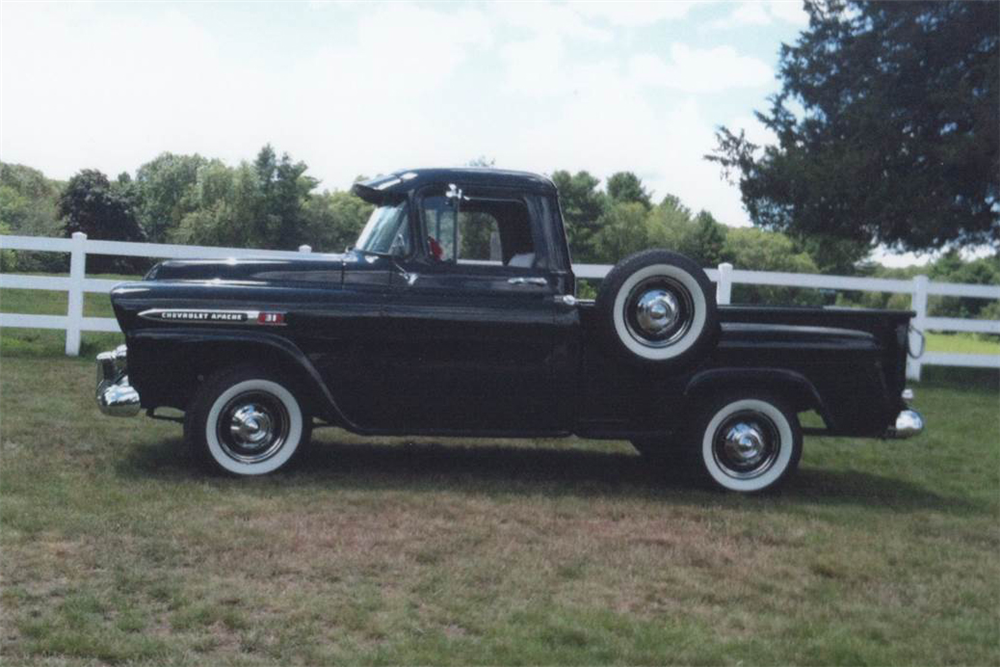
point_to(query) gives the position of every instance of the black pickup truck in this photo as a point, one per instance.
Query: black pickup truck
(455, 314)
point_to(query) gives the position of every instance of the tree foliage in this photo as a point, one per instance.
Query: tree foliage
(887, 130)
(166, 184)
(582, 205)
(625, 187)
(103, 210)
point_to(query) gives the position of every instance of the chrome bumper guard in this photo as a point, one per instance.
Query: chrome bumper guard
(909, 423)
(115, 396)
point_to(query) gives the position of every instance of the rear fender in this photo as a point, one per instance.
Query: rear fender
(792, 386)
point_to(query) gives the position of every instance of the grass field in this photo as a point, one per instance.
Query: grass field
(114, 548)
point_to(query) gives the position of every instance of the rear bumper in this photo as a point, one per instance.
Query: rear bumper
(115, 396)
(909, 423)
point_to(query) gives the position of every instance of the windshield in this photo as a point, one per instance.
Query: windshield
(386, 231)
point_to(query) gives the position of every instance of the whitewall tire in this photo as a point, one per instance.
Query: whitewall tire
(657, 308)
(246, 422)
(749, 444)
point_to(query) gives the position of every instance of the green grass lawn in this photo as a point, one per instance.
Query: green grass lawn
(962, 342)
(114, 548)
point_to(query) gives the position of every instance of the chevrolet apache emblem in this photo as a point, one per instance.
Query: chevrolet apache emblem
(189, 315)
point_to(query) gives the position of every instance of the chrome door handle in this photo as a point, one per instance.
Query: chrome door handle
(541, 282)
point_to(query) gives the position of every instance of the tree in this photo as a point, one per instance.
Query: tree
(760, 250)
(709, 239)
(951, 268)
(29, 206)
(625, 186)
(165, 192)
(8, 258)
(334, 220)
(582, 204)
(102, 210)
(897, 139)
(622, 230)
(255, 205)
(701, 238)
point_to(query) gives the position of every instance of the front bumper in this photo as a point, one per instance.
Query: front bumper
(908, 424)
(115, 396)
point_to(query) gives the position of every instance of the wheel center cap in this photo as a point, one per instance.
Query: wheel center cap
(656, 311)
(745, 444)
(250, 426)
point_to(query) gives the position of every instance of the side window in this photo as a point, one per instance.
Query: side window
(438, 213)
(479, 237)
(483, 229)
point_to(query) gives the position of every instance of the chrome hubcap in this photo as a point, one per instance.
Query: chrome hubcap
(252, 427)
(658, 312)
(746, 445)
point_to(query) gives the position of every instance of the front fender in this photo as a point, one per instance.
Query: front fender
(166, 367)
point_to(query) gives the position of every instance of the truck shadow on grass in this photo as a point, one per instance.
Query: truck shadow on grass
(489, 469)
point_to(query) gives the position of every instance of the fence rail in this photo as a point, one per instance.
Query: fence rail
(725, 276)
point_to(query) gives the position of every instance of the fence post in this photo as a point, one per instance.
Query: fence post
(724, 288)
(919, 304)
(305, 248)
(74, 311)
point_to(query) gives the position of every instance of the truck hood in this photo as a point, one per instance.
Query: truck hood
(325, 268)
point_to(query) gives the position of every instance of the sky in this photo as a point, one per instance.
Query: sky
(367, 88)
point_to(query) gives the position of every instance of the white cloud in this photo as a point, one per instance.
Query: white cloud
(634, 14)
(547, 18)
(755, 131)
(758, 13)
(533, 65)
(366, 89)
(791, 11)
(400, 48)
(700, 70)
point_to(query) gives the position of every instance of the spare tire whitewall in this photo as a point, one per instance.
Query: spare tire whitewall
(658, 308)
(246, 422)
(749, 444)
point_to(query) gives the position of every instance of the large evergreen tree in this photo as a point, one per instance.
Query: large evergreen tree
(887, 125)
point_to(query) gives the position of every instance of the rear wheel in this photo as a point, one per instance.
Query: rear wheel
(246, 421)
(749, 444)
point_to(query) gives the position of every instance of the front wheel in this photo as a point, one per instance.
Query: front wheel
(750, 443)
(245, 421)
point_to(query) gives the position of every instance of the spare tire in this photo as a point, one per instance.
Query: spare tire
(658, 308)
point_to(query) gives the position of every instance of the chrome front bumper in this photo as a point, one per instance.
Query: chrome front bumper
(909, 423)
(115, 396)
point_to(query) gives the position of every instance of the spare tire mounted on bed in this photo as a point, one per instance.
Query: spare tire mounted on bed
(657, 308)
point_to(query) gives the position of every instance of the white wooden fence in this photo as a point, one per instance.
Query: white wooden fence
(725, 276)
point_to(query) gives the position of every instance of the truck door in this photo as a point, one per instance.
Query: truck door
(472, 318)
